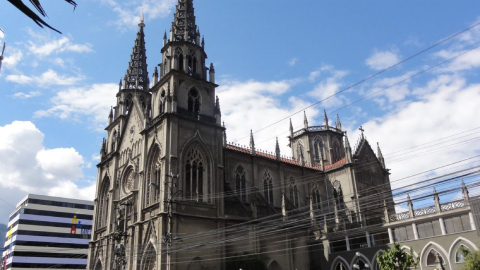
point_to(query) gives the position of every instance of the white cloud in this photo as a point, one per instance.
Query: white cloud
(382, 59)
(12, 57)
(93, 101)
(328, 87)
(257, 104)
(63, 44)
(26, 166)
(22, 95)
(292, 62)
(129, 15)
(46, 79)
(448, 108)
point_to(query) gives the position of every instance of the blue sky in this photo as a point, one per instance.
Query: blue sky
(271, 59)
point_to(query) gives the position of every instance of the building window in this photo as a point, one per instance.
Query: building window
(338, 194)
(195, 176)
(459, 256)
(293, 192)
(318, 148)
(128, 103)
(103, 203)
(194, 101)
(114, 140)
(457, 224)
(179, 57)
(432, 258)
(240, 189)
(161, 106)
(429, 229)
(317, 200)
(403, 233)
(336, 151)
(153, 177)
(268, 186)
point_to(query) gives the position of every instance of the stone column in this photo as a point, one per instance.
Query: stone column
(390, 235)
(442, 226)
(367, 235)
(348, 242)
(415, 231)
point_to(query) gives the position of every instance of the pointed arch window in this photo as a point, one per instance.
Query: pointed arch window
(102, 211)
(153, 177)
(300, 152)
(128, 103)
(268, 186)
(161, 106)
(459, 255)
(293, 192)
(338, 194)
(317, 200)
(318, 148)
(192, 63)
(432, 258)
(336, 151)
(196, 188)
(194, 101)
(341, 266)
(240, 188)
(179, 58)
(114, 140)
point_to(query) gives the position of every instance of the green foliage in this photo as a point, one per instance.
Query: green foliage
(246, 261)
(472, 259)
(396, 256)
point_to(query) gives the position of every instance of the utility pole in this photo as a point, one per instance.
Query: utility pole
(168, 235)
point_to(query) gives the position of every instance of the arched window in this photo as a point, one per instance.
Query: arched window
(459, 256)
(143, 103)
(114, 140)
(103, 203)
(161, 107)
(318, 148)
(153, 177)
(268, 186)
(165, 67)
(336, 151)
(193, 101)
(240, 183)
(195, 175)
(341, 266)
(293, 192)
(432, 258)
(338, 194)
(317, 200)
(192, 63)
(179, 57)
(128, 103)
(300, 152)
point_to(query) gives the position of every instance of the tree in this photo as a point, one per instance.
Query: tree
(396, 259)
(32, 15)
(472, 259)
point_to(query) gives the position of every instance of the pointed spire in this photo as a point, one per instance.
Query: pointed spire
(380, 156)
(137, 67)
(184, 27)
(466, 197)
(339, 124)
(325, 118)
(348, 150)
(217, 106)
(305, 121)
(155, 76)
(277, 150)
(165, 38)
(291, 129)
(120, 85)
(212, 73)
(224, 135)
(252, 143)
(203, 43)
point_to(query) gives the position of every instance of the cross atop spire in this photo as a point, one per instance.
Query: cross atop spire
(361, 130)
(184, 27)
(137, 74)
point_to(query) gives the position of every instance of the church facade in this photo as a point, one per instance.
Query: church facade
(169, 185)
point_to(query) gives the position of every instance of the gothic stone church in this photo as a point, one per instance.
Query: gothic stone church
(167, 173)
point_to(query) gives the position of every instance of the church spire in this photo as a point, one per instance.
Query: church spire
(137, 75)
(339, 124)
(184, 27)
(325, 118)
(348, 150)
(252, 143)
(305, 121)
(380, 156)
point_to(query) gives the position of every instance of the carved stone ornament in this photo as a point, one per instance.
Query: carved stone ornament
(132, 133)
(128, 182)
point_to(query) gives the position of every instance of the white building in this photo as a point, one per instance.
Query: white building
(48, 232)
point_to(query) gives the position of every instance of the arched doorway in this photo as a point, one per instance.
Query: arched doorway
(274, 266)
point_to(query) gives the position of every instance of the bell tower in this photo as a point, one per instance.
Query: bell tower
(182, 85)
